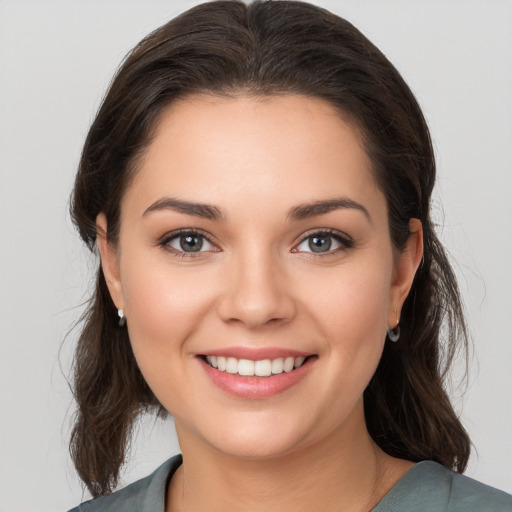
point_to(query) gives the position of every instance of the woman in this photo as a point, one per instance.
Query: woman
(257, 182)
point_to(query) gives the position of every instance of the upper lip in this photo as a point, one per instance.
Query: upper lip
(255, 354)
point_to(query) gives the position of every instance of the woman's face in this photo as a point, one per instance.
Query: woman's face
(254, 236)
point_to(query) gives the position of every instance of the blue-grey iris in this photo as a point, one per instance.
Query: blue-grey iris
(191, 243)
(320, 243)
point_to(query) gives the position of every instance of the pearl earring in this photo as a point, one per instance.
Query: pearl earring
(394, 334)
(122, 318)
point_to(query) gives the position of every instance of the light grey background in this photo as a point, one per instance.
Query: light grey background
(56, 59)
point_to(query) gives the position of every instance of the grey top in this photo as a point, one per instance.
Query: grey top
(426, 487)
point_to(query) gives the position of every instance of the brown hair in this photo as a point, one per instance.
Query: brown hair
(268, 48)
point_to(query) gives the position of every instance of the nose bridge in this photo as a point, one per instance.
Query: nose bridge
(256, 291)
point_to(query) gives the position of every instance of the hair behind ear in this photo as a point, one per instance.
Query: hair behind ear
(110, 393)
(407, 409)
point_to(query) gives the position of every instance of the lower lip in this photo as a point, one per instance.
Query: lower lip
(256, 388)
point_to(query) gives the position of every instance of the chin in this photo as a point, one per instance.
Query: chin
(255, 449)
(257, 439)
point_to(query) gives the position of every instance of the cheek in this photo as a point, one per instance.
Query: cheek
(350, 308)
(353, 302)
(163, 309)
(351, 315)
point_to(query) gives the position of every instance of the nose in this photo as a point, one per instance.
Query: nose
(257, 292)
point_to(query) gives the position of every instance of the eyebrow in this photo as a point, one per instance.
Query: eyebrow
(206, 211)
(308, 210)
(300, 212)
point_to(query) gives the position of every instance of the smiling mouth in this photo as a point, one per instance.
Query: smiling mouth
(260, 368)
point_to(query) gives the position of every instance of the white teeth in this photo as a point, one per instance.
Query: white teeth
(231, 365)
(261, 368)
(298, 361)
(245, 367)
(288, 364)
(278, 365)
(221, 363)
(212, 360)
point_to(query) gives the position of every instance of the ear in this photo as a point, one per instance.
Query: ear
(109, 262)
(405, 269)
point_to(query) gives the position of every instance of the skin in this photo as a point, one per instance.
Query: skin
(258, 284)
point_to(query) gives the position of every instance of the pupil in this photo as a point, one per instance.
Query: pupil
(191, 243)
(320, 243)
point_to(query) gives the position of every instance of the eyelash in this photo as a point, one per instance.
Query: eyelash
(165, 242)
(344, 240)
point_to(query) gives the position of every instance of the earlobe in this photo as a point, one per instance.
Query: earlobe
(406, 267)
(109, 261)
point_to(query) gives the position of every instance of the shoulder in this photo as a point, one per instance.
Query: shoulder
(144, 495)
(429, 486)
(468, 495)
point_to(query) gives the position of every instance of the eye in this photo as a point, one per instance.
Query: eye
(187, 242)
(324, 242)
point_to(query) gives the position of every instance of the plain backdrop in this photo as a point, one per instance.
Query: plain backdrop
(56, 60)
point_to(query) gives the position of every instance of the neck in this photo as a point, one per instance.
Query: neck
(345, 472)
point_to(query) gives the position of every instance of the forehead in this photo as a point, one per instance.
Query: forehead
(288, 149)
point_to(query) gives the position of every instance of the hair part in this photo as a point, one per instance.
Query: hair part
(270, 48)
